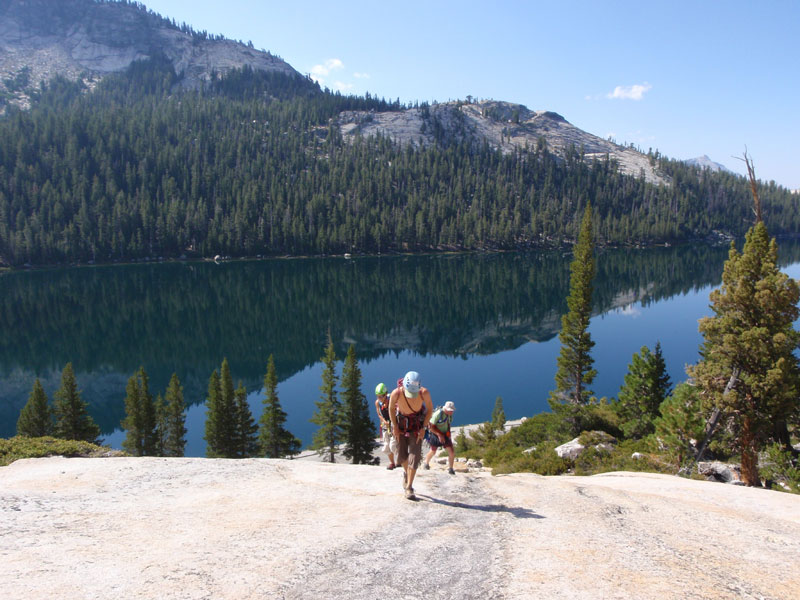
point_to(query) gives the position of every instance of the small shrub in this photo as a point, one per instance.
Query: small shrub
(20, 447)
(608, 458)
(779, 466)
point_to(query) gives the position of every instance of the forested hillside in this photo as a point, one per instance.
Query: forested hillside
(254, 164)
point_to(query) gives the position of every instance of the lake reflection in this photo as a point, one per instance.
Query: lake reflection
(475, 326)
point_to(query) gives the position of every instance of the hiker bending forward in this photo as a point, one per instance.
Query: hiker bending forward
(387, 439)
(410, 408)
(439, 435)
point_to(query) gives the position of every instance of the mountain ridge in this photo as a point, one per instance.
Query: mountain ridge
(87, 40)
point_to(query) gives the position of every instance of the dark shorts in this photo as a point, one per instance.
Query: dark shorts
(434, 442)
(408, 448)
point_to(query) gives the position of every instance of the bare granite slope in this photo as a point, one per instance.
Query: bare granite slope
(503, 125)
(258, 528)
(81, 38)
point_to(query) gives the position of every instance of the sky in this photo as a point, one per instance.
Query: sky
(685, 77)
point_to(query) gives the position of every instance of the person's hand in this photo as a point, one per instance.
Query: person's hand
(420, 435)
(396, 432)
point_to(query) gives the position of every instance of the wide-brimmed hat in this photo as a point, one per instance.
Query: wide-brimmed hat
(449, 407)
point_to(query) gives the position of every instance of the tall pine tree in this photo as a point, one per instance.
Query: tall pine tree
(73, 421)
(359, 431)
(140, 420)
(214, 446)
(328, 415)
(575, 372)
(646, 386)
(274, 439)
(36, 417)
(174, 421)
(749, 346)
(246, 428)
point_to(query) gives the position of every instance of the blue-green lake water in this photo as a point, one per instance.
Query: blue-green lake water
(475, 326)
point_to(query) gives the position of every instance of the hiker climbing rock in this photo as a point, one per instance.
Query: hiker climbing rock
(387, 438)
(410, 407)
(439, 435)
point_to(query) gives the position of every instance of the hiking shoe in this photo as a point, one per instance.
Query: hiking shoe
(391, 466)
(427, 467)
(451, 471)
(410, 493)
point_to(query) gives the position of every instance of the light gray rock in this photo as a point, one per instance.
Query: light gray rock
(571, 450)
(80, 39)
(637, 456)
(503, 125)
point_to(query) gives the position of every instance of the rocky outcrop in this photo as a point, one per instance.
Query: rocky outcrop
(86, 39)
(720, 472)
(503, 125)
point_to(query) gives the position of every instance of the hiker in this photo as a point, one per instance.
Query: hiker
(410, 407)
(439, 435)
(382, 406)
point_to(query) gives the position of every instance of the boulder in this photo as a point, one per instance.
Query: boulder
(571, 450)
(719, 471)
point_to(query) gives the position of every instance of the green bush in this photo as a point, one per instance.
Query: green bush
(618, 457)
(19, 447)
(542, 460)
(779, 466)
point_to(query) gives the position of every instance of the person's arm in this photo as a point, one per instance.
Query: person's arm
(378, 410)
(393, 413)
(428, 412)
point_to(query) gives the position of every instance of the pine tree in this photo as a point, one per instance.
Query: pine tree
(575, 372)
(73, 421)
(228, 413)
(646, 386)
(750, 342)
(140, 420)
(213, 417)
(359, 431)
(174, 419)
(246, 429)
(36, 417)
(221, 417)
(498, 415)
(275, 441)
(680, 423)
(161, 426)
(328, 414)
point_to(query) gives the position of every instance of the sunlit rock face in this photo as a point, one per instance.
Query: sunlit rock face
(40, 39)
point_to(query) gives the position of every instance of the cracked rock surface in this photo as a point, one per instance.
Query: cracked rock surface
(260, 528)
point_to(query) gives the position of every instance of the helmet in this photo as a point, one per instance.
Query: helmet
(380, 389)
(411, 383)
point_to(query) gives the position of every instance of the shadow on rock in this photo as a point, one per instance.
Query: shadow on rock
(517, 511)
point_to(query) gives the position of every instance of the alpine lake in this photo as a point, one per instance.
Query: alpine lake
(475, 326)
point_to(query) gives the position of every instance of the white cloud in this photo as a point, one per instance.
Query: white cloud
(630, 92)
(341, 86)
(319, 72)
(361, 75)
(629, 311)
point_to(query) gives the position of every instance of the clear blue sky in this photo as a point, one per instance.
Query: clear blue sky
(686, 77)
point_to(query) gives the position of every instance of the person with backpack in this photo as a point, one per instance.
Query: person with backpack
(439, 435)
(410, 407)
(382, 406)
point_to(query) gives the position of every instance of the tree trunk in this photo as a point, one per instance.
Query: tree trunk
(749, 454)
